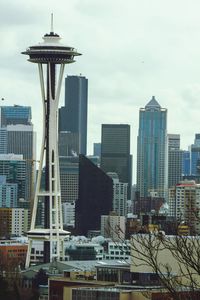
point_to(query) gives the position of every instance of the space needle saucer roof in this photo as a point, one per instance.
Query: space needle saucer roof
(51, 51)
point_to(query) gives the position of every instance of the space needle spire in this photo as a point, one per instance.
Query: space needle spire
(52, 22)
(51, 57)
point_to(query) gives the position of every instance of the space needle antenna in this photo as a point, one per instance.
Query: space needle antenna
(52, 22)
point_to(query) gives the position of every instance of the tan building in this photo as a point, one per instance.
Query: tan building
(113, 226)
(184, 204)
(13, 221)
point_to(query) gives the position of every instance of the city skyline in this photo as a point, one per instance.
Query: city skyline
(126, 61)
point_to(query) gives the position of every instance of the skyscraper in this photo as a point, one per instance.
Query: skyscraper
(8, 193)
(13, 167)
(69, 173)
(184, 203)
(17, 114)
(152, 150)
(73, 116)
(21, 139)
(95, 196)
(195, 156)
(119, 195)
(17, 136)
(3, 140)
(175, 158)
(186, 163)
(115, 152)
(68, 143)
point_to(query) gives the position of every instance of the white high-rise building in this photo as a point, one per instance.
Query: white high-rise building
(184, 204)
(19, 221)
(68, 210)
(119, 195)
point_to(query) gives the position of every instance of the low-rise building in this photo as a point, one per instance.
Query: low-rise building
(12, 254)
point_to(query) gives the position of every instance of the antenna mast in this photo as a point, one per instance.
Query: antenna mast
(52, 23)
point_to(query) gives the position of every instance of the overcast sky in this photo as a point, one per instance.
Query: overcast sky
(132, 49)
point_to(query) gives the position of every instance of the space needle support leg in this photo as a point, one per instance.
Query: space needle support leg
(58, 210)
(38, 184)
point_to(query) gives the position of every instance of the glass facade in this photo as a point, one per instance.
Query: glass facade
(152, 150)
(93, 294)
(186, 163)
(115, 152)
(73, 116)
(175, 158)
(15, 172)
(12, 115)
(94, 197)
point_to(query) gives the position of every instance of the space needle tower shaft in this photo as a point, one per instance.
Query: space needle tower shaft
(51, 57)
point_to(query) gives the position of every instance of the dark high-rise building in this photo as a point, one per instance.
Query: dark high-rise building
(175, 157)
(69, 170)
(115, 152)
(195, 156)
(68, 143)
(73, 116)
(95, 196)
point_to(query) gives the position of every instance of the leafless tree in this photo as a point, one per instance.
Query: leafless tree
(174, 259)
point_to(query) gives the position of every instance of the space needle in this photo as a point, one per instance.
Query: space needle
(51, 57)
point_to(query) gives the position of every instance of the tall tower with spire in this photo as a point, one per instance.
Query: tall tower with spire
(51, 56)
(152, 150)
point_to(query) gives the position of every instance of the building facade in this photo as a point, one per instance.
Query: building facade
(95, 196)
(69, 178)
(13, 168)
(119, 195)
(17, 137)
(152, 150)
(115, 152)
(113, 226)
(186, 163)
(73, 116)
(16, 114)
(13, 222)
(8, 193)
(68, 210)
(195, 156)
(22, 140)
(184, 204)
(175, 159)
(68, 143)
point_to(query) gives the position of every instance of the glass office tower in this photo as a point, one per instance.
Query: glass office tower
(73, 116)
(152, 150)
(115, 152)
